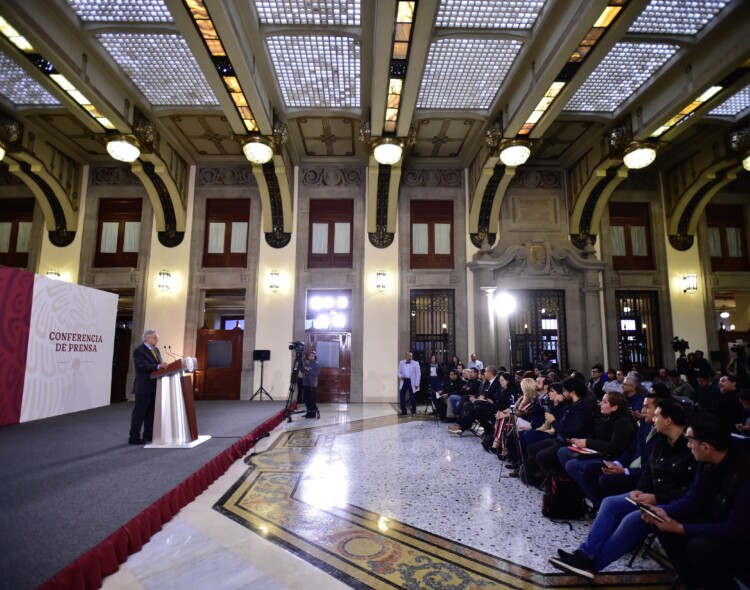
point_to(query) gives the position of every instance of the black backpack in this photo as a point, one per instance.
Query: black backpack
(562, 498)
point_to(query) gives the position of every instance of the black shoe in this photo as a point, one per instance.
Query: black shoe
(310, 415)
(562, 554)
(577, 564)
(487, 444)
(402, 414)
(135, 441)
(514, 473)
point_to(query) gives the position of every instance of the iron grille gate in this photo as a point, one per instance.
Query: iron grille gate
(638, 331)
(432, 325)
(536, 326)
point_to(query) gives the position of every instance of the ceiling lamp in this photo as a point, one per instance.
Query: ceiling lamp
(388, 150)
(515, 152)
(258, 149)
(123, 148)
(639, 155)
(745, 162)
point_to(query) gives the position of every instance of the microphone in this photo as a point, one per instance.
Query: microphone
(166, 349)
(175, 354)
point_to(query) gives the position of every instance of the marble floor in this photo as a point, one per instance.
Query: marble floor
(362, 498)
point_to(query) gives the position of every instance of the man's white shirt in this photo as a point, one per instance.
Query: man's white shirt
(410, 371)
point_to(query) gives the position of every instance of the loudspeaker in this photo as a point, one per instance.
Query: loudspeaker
(261, 355)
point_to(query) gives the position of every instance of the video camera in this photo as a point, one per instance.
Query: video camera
(680, 345)
(297, 346)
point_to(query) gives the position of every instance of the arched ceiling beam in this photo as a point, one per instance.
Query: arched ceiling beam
(488, 195)
(382, 199)
(276, 201)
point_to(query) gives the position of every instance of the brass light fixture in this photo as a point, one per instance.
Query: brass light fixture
(639, 155)
(515, 152)
(258, 149)
(124, 148)
(388, 150)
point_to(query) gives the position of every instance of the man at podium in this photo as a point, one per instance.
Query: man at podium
(147, 359)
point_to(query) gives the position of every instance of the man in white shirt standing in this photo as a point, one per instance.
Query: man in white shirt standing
(475, 363)
(408, 374)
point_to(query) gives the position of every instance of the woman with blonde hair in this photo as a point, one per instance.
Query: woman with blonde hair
(529, 414)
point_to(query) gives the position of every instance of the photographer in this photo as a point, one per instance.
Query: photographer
(311, 370)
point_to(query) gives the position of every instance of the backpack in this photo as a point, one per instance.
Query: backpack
(562, 498)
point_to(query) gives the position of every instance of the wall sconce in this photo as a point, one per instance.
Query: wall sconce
(53, 274)
(380, 281)
(515, 152)
(273, 280)
(639, 155)
(690, 283)
(388, 150)
(124, 148)
(164, 280)
(745, 162)
(2, 151)
(258, 149)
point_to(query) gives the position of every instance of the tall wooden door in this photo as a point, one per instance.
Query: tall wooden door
(219, 354)
(335, 358)
(120, 362)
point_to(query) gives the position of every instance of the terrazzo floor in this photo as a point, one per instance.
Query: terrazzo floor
(362, 498)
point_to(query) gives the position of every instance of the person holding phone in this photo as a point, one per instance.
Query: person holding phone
(618, 526)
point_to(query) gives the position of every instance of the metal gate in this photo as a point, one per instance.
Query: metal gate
(433, 329)
(538, 325)
(638, 331)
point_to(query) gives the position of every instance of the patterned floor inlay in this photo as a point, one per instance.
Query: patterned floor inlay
(399, 503)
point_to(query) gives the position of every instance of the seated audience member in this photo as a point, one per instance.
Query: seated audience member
(707, 392)
(450, 396)
(631, 387)
(471, 391)
(743, 427)
(614, 432)
(542, 388)
(597, 381)
(614, 381)
(663, 378)
(704, 533)
(618, 526)
(576, 421)
(529, 415)
(453, 365)
(681, 388)
(728, 409)
(556, 405)
(623, 474)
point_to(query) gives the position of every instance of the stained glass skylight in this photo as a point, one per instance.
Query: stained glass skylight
(489, 14)
(140, 11)
(309, 12)
(677, 17)
(465, 73)
(735, 104)
(317, 71)
(19, 88)
(161, 66)
(619, 75)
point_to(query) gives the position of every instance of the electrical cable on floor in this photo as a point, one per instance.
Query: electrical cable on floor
(255, 441)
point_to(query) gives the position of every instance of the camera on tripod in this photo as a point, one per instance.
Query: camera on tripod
(297, 346)
(680, 345)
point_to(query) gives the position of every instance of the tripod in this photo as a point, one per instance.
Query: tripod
(261, 391)
(296, 366)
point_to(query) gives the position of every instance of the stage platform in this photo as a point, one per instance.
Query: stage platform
(77, 499)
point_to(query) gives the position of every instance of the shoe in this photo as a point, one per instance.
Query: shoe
(562, 554)
(147, 442)
(135, 441)
(577, 564)
(514, 473)
(487, 444)
(413, 414)
(310, 415)
(402, 414)
(457, 431)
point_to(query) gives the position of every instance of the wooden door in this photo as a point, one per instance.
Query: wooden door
(219, 354)
(334, 356)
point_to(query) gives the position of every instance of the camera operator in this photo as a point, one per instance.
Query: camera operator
(311, 370)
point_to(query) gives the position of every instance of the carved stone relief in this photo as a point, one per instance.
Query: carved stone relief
(530, 178)
(332, 176)
(113, 176)
(226, 176)
(432, 178)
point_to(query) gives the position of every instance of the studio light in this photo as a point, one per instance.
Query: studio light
(690, 283)
(745, 161)
(2, 151)
(515, 152)
(388, 150)
(53, 274)
(639, 155)
(258, 149)
(123, 148)
(724, 314)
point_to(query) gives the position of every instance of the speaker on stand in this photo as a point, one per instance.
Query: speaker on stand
(262, 356)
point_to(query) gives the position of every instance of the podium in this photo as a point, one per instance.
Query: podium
(175, 426)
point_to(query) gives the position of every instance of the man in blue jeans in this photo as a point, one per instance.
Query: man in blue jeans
(619, 527)
(409, 374)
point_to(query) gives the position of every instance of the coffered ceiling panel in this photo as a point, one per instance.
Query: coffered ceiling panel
(489, 14)
(141, 11)
(209, 135)
(332, 136)
(305, 12)
(734, 104)
(442, 137)
(18, 88)
(676, 17)
(68, 126)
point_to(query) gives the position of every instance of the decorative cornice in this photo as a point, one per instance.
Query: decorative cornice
(536, 178)
(433, 178)
(226, 176)
(113, 175)
(321, 176)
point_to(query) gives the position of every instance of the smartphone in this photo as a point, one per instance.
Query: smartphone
(645, 509)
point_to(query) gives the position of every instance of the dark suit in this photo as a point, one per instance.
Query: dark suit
(144, 389)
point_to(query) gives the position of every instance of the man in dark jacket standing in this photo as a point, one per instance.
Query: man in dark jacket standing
(147, 359)
(311, 370)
